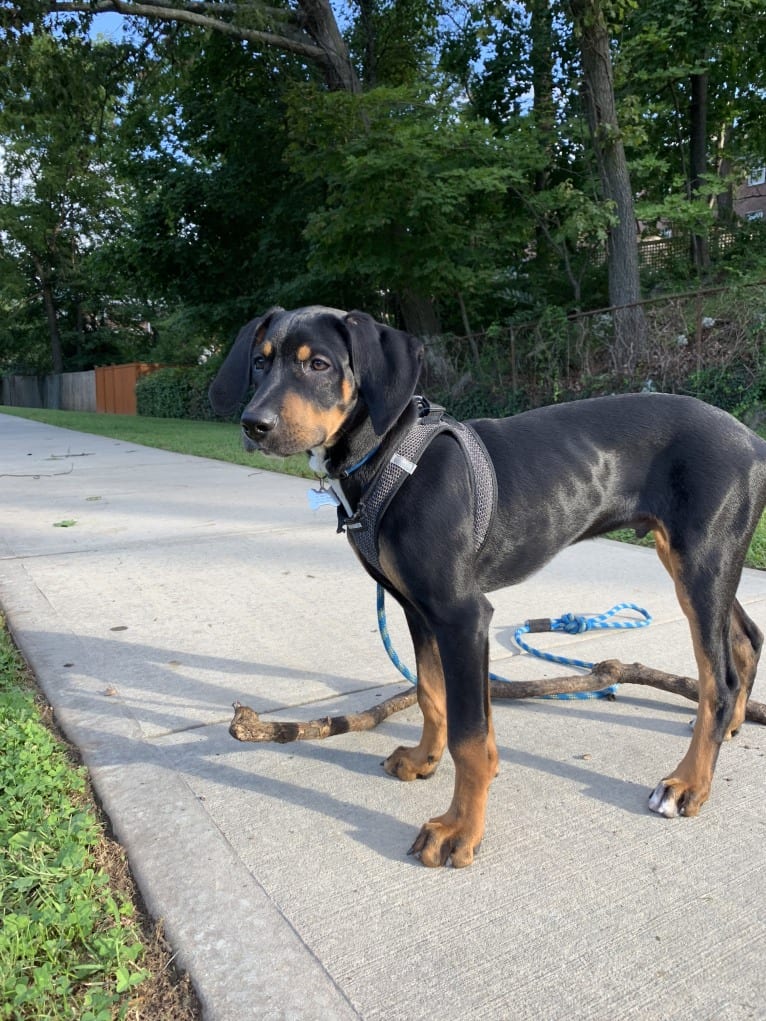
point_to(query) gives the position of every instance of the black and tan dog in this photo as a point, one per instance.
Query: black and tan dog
(340, 385)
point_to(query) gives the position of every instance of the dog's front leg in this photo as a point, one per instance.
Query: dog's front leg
(463, 646)
(420, 762)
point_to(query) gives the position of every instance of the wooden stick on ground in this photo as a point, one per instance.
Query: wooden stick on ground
(248, 726)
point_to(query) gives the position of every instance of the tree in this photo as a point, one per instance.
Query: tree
(622, 248)
(416, 212)
(394, 41)
(219, 214)
(541, 65)
(58, 196)
(308, 29)
(454, 171)
(690, 74)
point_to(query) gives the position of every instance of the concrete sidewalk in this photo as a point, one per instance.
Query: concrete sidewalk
(281, 871)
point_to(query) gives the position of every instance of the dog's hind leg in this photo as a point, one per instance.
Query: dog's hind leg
(706, 594)
(464, 648)
(746, 642)
(420, 762)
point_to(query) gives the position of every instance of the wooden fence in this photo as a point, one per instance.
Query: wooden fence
(116, 386)
(71, 391)
(108, 388)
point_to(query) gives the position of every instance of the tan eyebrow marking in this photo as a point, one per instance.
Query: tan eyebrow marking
(303, 353)
(268, 349)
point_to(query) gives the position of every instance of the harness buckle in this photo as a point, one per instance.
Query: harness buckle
(350, 522)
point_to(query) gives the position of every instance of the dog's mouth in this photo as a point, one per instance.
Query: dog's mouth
(275, 442)
(249, 444)
(263, 443)
(280, 433)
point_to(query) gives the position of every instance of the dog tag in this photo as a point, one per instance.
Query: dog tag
(322, 498)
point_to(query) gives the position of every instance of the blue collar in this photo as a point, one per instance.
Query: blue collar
(355, 467)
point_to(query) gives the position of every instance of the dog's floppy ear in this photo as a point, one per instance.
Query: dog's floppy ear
(230, 385)
(386, 365)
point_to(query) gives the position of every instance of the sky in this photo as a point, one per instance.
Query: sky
(111, 26)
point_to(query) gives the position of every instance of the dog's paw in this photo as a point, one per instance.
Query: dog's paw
(673, 797)
(410, 764)
(439, 843)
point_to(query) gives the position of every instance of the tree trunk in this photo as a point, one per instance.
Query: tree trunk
(698, 159)
(622, 245)
(419, 315)
(725, 200)
(46, 290)
(541, 65)
(541, 60)
(370, 48)
(323, 28)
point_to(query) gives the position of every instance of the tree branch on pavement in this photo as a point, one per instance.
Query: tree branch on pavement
(248, 726)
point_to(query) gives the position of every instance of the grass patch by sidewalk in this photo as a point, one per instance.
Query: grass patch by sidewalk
(756, 555)
(72, 944)
(221, 441)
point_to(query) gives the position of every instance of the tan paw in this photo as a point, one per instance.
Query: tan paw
(673, 797)
(439, 842)
(410, 764)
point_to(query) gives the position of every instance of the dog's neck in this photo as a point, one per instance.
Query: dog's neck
(355, 455)
(354, 447)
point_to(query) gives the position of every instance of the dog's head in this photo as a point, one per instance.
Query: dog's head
(313, 369)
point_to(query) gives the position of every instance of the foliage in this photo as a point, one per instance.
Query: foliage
(663, 46)
(708, 343)
(730, 388)
(416, 195)
(190, 179)
(59, 205)
(216, 231)
(175, 393)
(392, 40)
(68, 948)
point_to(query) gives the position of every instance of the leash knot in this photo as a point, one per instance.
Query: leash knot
(571, 624)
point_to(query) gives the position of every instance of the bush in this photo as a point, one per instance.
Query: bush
(176, 393)
(731, 388)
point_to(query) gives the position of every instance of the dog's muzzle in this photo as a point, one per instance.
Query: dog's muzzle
(257, 426)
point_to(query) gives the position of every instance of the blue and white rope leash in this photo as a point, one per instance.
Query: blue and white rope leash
(568, 623)
(573, 624)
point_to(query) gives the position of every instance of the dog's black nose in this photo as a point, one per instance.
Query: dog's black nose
(258, 425)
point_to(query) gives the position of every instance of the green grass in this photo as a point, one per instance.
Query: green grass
(221, 440)
(69, 947)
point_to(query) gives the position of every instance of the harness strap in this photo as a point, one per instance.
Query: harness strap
(363, 526)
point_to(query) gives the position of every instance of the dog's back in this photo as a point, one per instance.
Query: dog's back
(572, 471)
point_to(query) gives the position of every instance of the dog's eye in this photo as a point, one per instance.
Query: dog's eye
(259, 363)
(319, 365)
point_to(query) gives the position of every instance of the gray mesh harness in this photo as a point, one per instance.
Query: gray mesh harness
(363, 527)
